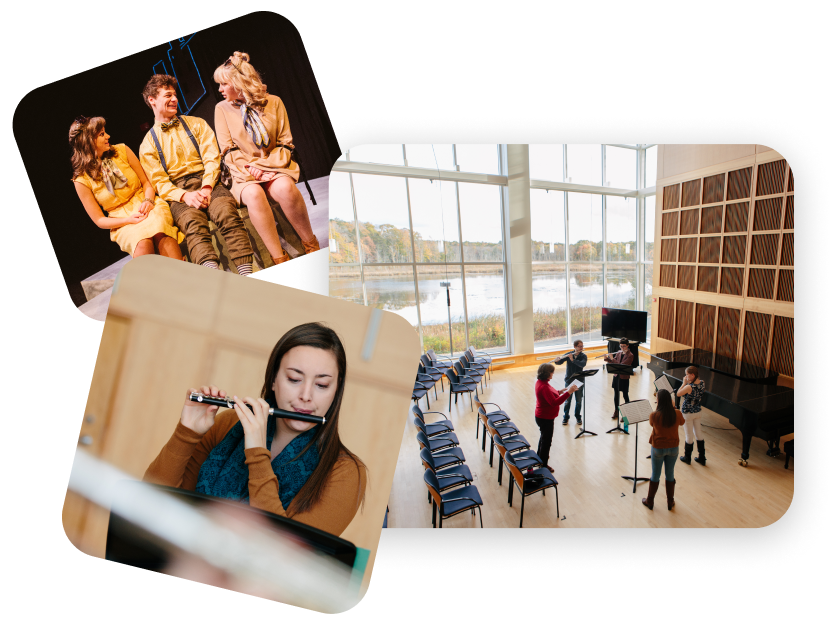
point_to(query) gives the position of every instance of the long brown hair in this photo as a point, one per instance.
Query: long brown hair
(327, 440)
(82, 140)
(666, 408)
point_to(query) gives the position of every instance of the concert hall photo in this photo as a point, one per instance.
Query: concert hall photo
(607, 330)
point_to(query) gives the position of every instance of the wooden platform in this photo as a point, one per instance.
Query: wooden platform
(592, 493)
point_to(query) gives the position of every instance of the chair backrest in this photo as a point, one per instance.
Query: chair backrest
(459, 368)
(426, 361)
(428, 459)
(496, 438)
(416, 410)
(478, 402)
(421, 368)
(469, 356)
(514, 470)
(422, 439)
(430, 353)
(434, 486)
(471, 350)
(482, 414)
(492, 430)
(419, 424)
(450, 374)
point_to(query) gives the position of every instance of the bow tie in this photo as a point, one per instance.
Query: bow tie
(172, 124)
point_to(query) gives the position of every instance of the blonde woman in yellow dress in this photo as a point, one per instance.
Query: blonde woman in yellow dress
(117, 195)
(256, 123)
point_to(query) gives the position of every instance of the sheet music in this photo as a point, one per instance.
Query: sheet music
(576, 383)
(663, 383)
(637, 411)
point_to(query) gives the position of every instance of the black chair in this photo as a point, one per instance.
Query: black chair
(426, 379)
(433, 370)
(436, 444)
(514, 441)
(457, 387)
(450, 477)
(471, 373)
(441, 460)
(452, 503)
(433, 373)
(481, 357)
(420, 389)
(431, 434)
(440, 363)
(433, 428)
(528, 485)
(493, 416)
(503, 429)
(524, 457)
(788, 452)
(474, 363)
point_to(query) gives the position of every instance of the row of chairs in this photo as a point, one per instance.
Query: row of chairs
(448, 479)
(464, 375)
(525, 467)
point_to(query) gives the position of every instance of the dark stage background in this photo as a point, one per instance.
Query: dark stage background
(114, 91)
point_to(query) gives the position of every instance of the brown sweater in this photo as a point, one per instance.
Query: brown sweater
(179, 461)
(663, 437)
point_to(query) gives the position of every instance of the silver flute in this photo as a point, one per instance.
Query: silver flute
(228, 402)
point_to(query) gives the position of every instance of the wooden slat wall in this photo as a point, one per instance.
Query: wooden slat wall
(785, 290)
(689, 222)
(708, 278)
(771, 178)
(710, 250)
(705, 326)
(736, 220)
(667, 275)
(711, 219)
(726, 342)
(763, 249)
(669, 225)
(671, 197)
(713, 189)
(688, 251)
(790, 182)
(666, 318)
(738, 184)
(787, 250)
(684, 316)
(760, 283)
(669, 249)
(768, 214)
(691, 195)
(781, 350)
(686, 277)
(732, 280)
(789, 213)
(756, 338)
(735, 250)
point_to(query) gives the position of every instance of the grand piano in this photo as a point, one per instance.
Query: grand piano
(745, 394)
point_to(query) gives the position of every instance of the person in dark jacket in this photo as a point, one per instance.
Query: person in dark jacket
(576, 362)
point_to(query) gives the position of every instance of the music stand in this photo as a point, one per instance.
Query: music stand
(634, 413)
(582, 376)
(619, 368)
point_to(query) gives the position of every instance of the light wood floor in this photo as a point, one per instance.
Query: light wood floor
(592, 493)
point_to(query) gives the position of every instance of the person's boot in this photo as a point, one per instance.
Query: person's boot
(310, 245)
(670, 494)
(701, 458)
(649, 501)
(687, 453)
(616, 413)
(283, 258)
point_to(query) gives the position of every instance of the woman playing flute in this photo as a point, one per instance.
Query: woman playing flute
(288, 467)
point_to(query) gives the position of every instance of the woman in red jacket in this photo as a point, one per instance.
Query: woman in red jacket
(548, 401)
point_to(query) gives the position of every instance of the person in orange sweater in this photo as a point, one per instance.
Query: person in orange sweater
(291, 468)
(664, 441)
(548, 401)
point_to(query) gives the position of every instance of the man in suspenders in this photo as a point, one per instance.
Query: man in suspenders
(182, 161)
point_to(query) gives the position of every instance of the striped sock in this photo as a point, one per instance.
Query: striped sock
(244, 269)
(210, 264)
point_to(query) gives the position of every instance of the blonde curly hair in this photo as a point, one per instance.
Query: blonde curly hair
(238, 72)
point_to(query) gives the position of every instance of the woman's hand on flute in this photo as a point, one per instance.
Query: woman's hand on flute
(197, 416)
(253, 416)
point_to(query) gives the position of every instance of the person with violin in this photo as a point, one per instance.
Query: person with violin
(576, 361)
(621, 381)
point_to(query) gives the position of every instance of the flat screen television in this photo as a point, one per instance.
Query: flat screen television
(625, 323)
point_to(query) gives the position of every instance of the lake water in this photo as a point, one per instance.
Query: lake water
(485, 294)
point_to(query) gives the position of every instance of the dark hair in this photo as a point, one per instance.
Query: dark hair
(623, 340)
(545, 370)
(82, 139)
(576, 343)
(327, 439)
(666, 408)
(693, 370)
(158, 81)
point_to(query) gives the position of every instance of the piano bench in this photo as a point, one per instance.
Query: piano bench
(788, 452)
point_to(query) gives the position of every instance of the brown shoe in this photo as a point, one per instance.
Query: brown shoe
(311, 245)
(616, 415)
(550, 468)
(670, 493)
(282, 259)
(649, 501)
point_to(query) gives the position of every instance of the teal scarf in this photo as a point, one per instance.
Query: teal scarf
(224, 472)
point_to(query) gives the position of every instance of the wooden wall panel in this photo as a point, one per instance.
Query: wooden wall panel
(735, 250)
(732, 281)
(768, 214)
(667, 275)
(710, 251)
(763, 249)
(669, 225)
(756, 338)
(669, 250)
(666, 318)
(708, 278)
(790, 181)
(726, 341)
(789, 213)
(688, 251)
(671, 197)
(711, 219)
(785, 289)
(736, 219)
(787, 250)
(686, 277)
(684, 318)
(705, 325)
(738, 183)
(760, 283)
(713, 189)
(770, 178)
(691, 195)
(781, 350)
(689, 222)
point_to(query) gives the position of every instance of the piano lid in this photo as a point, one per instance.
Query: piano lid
(719, 363)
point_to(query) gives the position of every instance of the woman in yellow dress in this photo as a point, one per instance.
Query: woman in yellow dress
(117, 194)
(254, 126)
